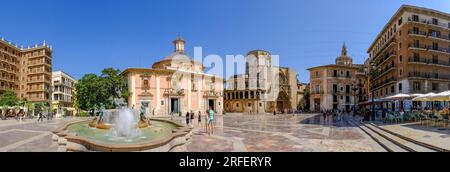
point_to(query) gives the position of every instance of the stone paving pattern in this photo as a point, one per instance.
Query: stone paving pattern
(29, 135)
(240, 133)
(281, 133)
(436, 136)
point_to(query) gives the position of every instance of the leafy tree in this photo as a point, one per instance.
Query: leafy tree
(38, 107)
(22, 102)
(91, 92)
(8, 98)
(115, 84)
(95, 91)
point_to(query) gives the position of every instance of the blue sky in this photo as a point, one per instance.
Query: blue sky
(89, 35)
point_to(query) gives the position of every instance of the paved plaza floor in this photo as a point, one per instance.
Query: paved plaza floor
(281, 133)
(234, 133)
(29, 135)
(436, 136)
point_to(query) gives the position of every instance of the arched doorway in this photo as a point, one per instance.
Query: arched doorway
(282, 102)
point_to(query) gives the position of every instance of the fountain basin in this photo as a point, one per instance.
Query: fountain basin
(162, 136)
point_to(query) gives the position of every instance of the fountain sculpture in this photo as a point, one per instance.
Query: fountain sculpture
(122, 129)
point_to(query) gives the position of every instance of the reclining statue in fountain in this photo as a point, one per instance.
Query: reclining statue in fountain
(97, 122)
(143, 121)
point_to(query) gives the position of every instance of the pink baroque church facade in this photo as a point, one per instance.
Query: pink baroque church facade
(173, 86)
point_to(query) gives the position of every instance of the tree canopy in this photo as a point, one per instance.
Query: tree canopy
(8, 98)
(95, 91)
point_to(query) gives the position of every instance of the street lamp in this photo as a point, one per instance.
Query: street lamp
(354, 89)
(372, 86)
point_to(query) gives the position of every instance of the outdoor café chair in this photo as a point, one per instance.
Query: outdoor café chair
(399, 118)
(433, 118)
(423, 118)
(390, 118)
(446, 121)
(416, 116)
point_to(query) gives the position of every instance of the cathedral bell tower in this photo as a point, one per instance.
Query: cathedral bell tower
(344, 59)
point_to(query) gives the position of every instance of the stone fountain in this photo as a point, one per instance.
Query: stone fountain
(122, 129)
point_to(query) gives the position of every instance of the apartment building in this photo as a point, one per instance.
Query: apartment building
(302, 99)
(412, 53)
(337, 86)
(63, 86)
(26, 71)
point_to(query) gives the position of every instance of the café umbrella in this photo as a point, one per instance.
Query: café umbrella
(425, 98)
(399, 97)
(444, 96)
(416, 95)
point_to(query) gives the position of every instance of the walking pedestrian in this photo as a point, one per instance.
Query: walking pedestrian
(48, 115)
(211, 120)
(199, 119)
(187, 118)
(207, 124)
(40, 117)
(192, 117)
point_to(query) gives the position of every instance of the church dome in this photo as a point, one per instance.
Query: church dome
(178, 58)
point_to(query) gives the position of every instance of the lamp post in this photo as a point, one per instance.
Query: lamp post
(354, 89)
(372, 86)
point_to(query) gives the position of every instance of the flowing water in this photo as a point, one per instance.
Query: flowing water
(124, 130)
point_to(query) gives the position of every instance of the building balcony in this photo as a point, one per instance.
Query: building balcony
(31, 72)
(39, 80)
(38, 99)
(439, 37)
(9, 62)
(439, 50)
(39, 63)
(386, 47)
(417, 46)
(12, 80)
(384, 83)
(36, 90)
(8, 53)
(7, 88)
(342, 76)
(418, 33)
(317, 92)
(424, 47)
(386, 70)
(428, 61)
(58, 92)
(39, 56)
(429, 23)
(341, 93)
(9, 70)
(387, 57)
(425, 75)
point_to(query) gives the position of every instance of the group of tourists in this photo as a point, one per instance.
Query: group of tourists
(209, 120)
(334, 115)
(11, 113)
(20, 114)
